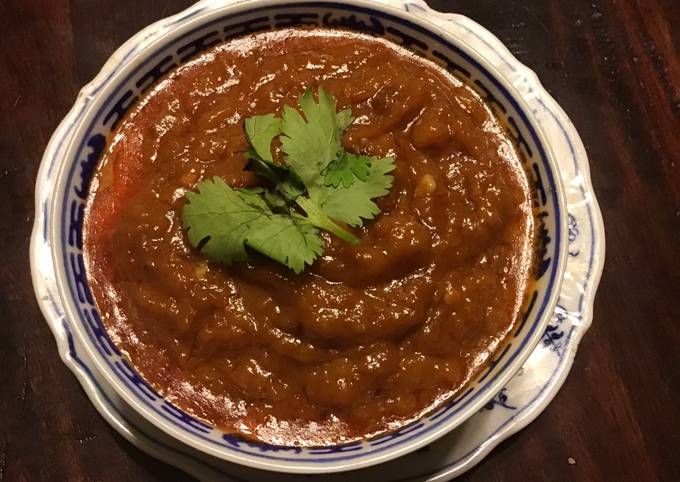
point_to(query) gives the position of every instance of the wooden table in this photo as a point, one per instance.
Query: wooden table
(613, 65)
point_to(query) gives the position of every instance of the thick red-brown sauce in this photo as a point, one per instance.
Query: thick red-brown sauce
(373, 335)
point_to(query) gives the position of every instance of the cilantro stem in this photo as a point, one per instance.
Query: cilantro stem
(318, 218)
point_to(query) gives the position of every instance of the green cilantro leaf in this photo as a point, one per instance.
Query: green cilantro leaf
(351, 204)
(346, 168)
(290, 240)
(312, 142)
(261, 131)
(318, 217)
(221, 222)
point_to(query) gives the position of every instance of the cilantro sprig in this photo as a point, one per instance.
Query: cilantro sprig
(317, 186)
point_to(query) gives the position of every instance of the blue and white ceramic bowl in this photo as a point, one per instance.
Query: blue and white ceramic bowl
(61, 281)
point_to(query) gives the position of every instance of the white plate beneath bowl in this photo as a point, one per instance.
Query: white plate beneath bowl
(520, 402)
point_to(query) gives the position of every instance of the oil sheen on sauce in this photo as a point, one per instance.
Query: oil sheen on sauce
(372, 336)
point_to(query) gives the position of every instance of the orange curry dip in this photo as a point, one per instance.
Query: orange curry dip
(371, 336)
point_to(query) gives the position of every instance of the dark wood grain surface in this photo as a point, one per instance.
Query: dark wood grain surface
(614, 67)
